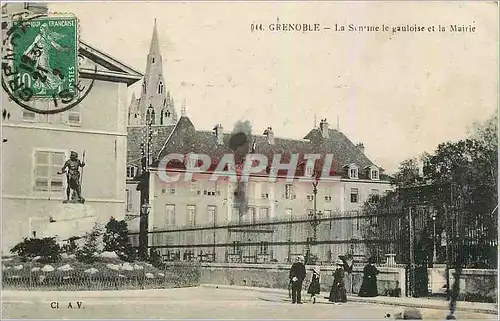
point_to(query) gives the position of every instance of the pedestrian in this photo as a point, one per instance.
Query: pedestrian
(314, 286)
(369, 285)
(338, 292)
(297, 276)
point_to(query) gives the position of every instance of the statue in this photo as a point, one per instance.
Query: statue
(73, 165)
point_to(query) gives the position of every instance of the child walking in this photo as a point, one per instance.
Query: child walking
(314, 287)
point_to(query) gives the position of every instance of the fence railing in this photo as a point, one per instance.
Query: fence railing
(359, 233)
(173, 275)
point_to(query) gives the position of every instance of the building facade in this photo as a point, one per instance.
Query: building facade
(37, 145)
(257, 221)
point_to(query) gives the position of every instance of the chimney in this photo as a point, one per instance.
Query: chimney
(361, 147)
(219, 134)
(323, 127)
(270, 135)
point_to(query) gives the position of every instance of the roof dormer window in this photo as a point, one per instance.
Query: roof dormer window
(353, 172)
(309, 171)
(372, 172)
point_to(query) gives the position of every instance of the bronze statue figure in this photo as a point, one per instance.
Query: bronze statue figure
(71, 168)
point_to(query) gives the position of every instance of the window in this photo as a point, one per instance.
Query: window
(354, 195)
(374, 174)
(150, 117)
(264, 214)
(131, 171)
(47, 164)
(74, 115)
(374, 195)
(191, 211)
(353, 173)
(192, 161)
(288, 191)
(252, 213)
(211, 212)
(171, 191)
(160, 88)
(153, 60)
(236, 247)
(264, 248)
(309, 171)
(129, 199)
(170, 215)
(144, 87)
(310, 198)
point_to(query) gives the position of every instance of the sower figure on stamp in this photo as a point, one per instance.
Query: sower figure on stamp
(71, 168)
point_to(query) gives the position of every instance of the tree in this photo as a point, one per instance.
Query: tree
(408, 174)
(88, 252)
(116, 240)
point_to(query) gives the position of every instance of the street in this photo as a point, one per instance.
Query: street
(193, 303)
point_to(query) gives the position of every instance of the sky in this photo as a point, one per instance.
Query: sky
(400, 94)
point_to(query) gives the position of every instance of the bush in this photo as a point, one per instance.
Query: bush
(87, 254)
(116, 240)
(47, 248)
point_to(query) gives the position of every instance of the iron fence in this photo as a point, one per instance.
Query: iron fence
(360, 233)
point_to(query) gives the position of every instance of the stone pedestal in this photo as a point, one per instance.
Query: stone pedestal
(66, 221)
(390, 260)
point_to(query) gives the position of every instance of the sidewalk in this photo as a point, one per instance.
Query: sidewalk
(423, 303)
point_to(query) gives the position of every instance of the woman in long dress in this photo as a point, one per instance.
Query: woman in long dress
(369, 285)
(338, 292)
(314, 288)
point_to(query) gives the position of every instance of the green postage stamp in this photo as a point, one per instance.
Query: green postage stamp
(46, 56)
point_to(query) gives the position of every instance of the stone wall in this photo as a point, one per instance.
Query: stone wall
(276, 276)
(478, 284)
(475, 284)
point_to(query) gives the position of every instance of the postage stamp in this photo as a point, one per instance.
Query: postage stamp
(46, 55)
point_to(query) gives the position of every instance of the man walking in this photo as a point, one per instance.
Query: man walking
(297, 276)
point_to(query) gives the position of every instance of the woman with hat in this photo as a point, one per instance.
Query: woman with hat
(338, 292)
(369, 285)
(314, 286)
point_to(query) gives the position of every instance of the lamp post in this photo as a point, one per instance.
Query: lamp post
(147, 152)
(434, 254)
(315, 215)
(144, 230)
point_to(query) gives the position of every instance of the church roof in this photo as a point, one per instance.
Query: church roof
(183, 138)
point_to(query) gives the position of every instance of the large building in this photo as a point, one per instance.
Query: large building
(37, 146)
(256, 221)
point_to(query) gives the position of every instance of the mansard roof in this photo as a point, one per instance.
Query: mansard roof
(183, 138)
(136, 135)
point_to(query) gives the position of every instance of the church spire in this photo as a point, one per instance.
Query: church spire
(154, 47)
(154, 88)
